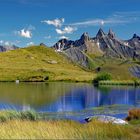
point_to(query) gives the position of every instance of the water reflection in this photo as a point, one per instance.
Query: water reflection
(61, 97)
(89, 97)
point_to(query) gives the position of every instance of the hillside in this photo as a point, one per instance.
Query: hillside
(39, 63)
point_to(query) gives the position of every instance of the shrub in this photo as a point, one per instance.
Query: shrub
(133, 114)
(102, 77)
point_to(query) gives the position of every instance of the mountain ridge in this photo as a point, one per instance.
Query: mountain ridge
(107, 45)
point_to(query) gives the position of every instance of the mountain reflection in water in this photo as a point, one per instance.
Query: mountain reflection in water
(62, 97)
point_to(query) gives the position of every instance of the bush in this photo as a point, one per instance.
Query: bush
(102, 77)
(133, 114)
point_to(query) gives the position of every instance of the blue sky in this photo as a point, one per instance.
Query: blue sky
(25, 22)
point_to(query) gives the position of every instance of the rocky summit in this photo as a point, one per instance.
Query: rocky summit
(103, 44)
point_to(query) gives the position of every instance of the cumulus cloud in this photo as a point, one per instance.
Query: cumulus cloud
(66, 30)
(30, 43)
(63, 37)
(56, 22)
(25, 33)
(6, 43)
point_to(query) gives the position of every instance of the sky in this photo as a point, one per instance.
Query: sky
(28, 22)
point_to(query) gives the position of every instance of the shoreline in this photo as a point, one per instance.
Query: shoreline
(101, 83)
(120, 82)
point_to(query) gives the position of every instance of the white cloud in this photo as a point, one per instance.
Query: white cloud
(1, 41)
(25, 33)
(6, 43)
(47, 37)
(89, 22)
(30, 43)
(56, 22)
(115, 19)
(66, 30)
(63, 37)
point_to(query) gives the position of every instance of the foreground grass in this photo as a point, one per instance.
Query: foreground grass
(31, 125)
(17, 129)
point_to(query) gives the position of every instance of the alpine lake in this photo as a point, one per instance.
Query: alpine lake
(74, 101)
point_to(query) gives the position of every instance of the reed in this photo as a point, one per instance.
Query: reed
(120, 82)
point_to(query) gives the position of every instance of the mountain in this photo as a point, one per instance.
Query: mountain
(106, 45)
(4, 48)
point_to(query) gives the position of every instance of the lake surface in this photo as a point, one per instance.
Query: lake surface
(71, 100)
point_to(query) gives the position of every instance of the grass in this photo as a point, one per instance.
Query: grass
(34, 64)
(63, 129)
(31, 125)
(120, 82)
(102, 77)
(119, 69)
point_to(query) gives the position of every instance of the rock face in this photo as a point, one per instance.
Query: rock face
(7, 48)
(42, 44)
(107, 45)
(135, 71)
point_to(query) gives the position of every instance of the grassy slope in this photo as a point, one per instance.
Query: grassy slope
(119, 69)
(17, 129)
(32, 64)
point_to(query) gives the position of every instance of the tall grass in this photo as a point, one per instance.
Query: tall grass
(120, 82)
(31, 125)
(63, 130)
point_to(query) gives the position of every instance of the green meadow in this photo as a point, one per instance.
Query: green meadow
(39, 63)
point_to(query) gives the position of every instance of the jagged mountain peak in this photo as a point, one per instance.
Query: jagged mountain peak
(111, 33)
(85, 37)
(100, 33)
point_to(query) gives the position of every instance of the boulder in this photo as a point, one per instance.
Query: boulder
(52, 62)
(107, 119)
